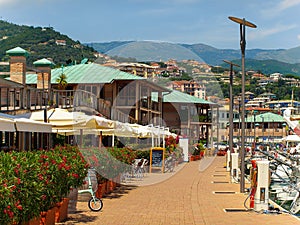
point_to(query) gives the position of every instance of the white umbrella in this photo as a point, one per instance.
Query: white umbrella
(292, 138)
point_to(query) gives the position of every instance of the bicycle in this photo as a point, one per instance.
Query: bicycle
(95, 204)
(170, 164)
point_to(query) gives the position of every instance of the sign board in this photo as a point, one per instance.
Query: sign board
(157, 158)
(184, 144)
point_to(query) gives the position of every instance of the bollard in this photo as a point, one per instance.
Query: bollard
(228, 160)
(234, 167)
(261, 198)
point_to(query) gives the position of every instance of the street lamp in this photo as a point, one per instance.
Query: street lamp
(254, 126)
(231, 104)
(263, 127)
(243, 23)
(273, 133)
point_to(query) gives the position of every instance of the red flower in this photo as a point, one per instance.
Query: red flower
(16, 171)
(40, 177)
(19, 207)
(75, 175)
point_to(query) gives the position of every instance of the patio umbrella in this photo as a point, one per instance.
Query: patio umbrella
(60, 119)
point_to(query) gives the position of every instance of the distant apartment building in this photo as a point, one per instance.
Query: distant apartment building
(275, 76)
(223, 117)
(190, 87)
(61, 42)
(264, 81)
(281, 105)
(257, 102)
(292, 82)
(258, 76)
(138, 69)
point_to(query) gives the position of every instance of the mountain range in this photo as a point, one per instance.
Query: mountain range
(40, 42)
(268, 61)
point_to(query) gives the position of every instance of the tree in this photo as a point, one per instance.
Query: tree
(62, 81)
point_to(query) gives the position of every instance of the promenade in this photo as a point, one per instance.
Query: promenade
(198, 193)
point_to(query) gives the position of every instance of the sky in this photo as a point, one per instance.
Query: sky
(174, 21)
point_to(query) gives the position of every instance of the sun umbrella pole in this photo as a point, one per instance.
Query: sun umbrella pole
(81, 136)
(152, 136)
(113, 141)
(100, 139)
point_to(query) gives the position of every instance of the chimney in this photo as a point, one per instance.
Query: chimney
(44, 74)
(17, 64)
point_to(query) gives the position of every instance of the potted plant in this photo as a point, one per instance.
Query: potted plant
(43, 177)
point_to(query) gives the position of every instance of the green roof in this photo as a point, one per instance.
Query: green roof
(266, 117)
(179, 97)
(17, 51)
(86, 74)
(43, 62)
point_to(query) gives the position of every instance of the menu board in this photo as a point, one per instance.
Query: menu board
(157, 158)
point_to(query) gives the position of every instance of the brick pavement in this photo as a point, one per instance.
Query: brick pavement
(186, 198)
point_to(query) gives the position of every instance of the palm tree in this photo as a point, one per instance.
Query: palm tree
(62, 81)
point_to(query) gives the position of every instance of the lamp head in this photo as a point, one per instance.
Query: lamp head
(242, 21)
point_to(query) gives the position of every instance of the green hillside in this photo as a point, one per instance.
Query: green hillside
(41, 43)
(267, 61)
(153, 51)
(267, 66)
(106, 46)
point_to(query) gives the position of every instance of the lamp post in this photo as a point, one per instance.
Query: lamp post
(254, 126)
(231, 104)
(243, 23)
(263, 127)
(273, 133)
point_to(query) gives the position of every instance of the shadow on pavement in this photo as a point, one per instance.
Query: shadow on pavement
(80, 217)
(120, 191)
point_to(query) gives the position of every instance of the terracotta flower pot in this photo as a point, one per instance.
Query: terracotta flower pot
(62, 211)
(48, 218)
(34, 221)
(103, 188)
(99, 192)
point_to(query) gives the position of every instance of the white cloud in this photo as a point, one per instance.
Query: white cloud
(262, 33)
(283, 5)
(298, 36)
(13, 2)
(7, 2)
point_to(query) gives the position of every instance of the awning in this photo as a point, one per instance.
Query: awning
(27, 125)
(7, 125)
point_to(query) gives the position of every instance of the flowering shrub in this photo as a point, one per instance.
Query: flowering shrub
(32, 182)
(109, 162)
(171, 143)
